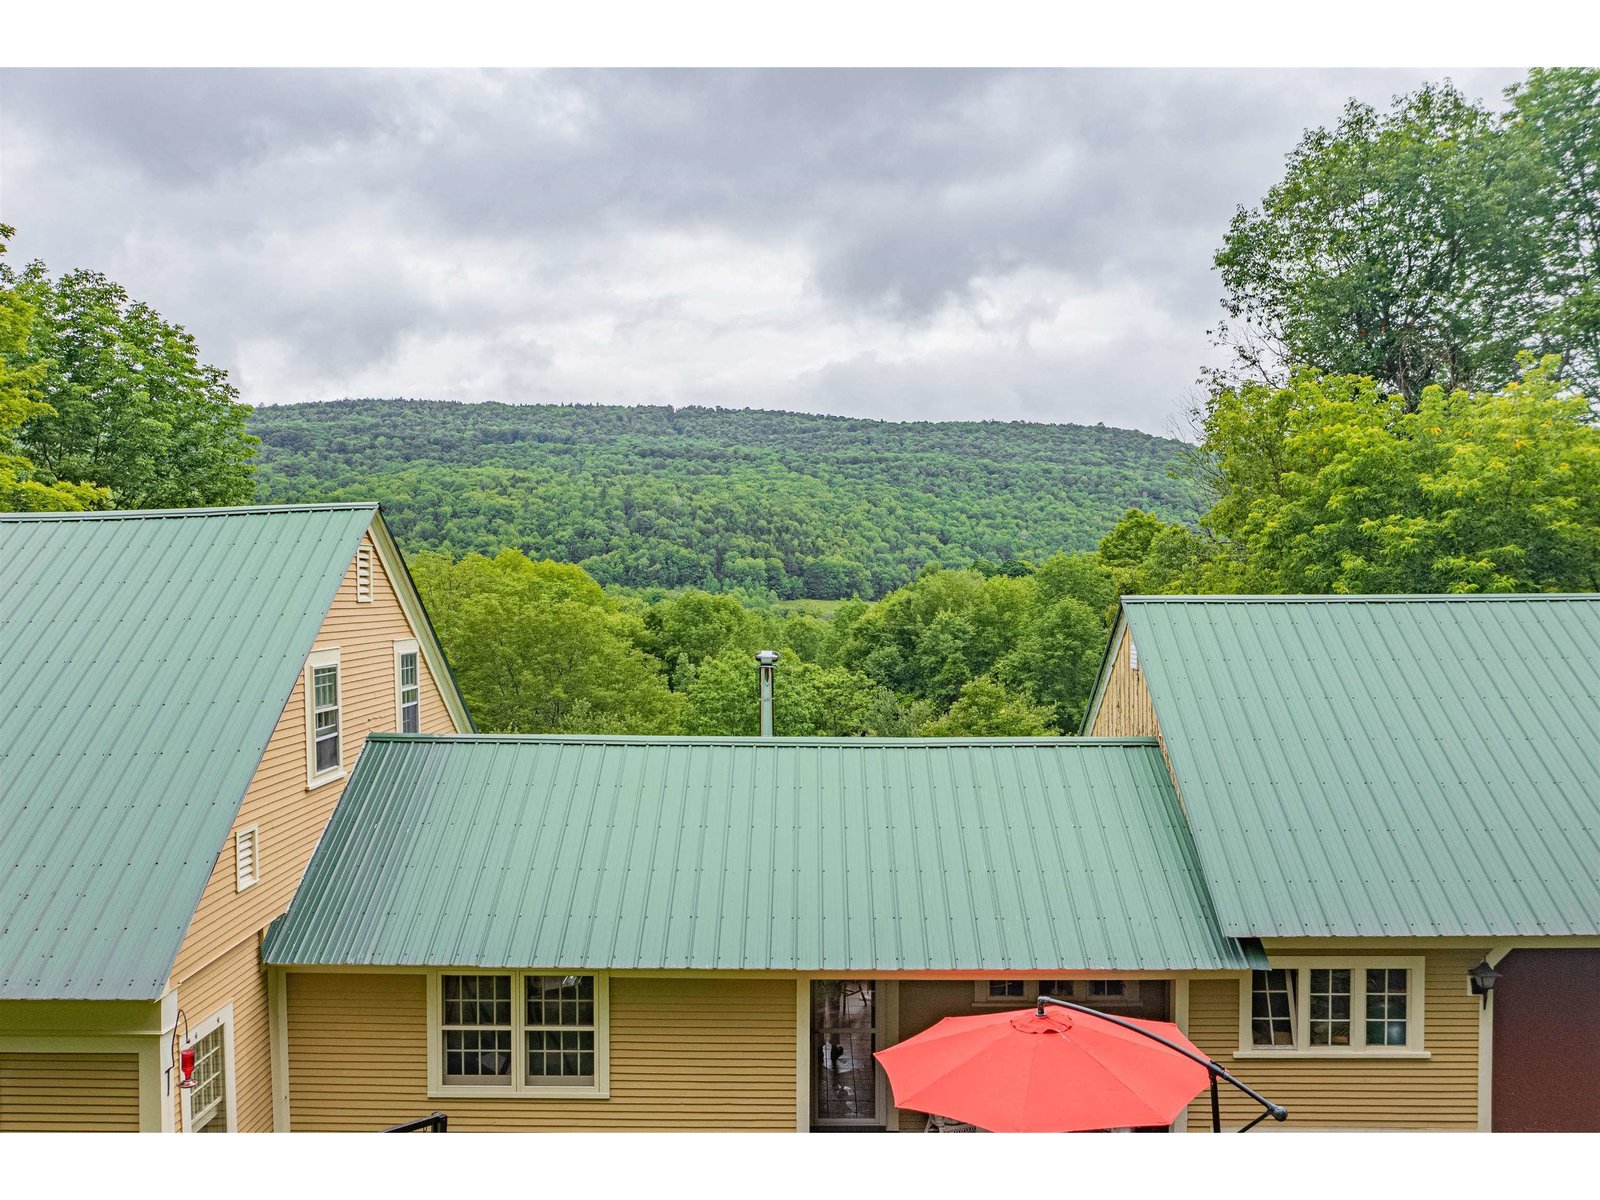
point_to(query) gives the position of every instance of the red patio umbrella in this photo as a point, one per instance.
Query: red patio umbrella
(1059, 1069)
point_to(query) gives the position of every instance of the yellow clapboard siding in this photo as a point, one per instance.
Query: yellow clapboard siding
(89, 1093)
(1125, 709)
(219, 960)
(685, 1054)
(236, 978)
(290, 816)
(1440, 1092)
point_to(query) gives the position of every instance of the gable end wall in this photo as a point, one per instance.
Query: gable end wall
(219, 960)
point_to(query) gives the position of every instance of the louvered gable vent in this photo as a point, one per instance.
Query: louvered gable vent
(246, 850)
(364, 573)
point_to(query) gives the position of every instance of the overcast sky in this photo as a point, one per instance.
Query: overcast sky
(1027, 245)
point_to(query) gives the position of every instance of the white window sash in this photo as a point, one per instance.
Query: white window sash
(322, 660)
(1414, 1047)
(221, 1019)
(407, 696)
(520, 1085)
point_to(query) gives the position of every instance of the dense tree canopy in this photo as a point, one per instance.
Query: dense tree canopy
(778, 504)
(1332, 484)
(23, 487)
(538, 647)
(1427, 245)
(120, 403)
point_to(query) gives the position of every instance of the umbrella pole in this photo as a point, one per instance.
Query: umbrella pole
(1217, 1072)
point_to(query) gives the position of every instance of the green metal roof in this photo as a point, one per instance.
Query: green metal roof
(145, 658)
(828, 854)
(1378, 765)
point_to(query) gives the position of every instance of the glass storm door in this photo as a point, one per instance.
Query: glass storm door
(844, 1075)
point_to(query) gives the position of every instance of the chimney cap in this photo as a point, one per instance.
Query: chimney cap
(767, 658)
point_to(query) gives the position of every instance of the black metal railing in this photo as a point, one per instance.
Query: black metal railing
(435, 1122)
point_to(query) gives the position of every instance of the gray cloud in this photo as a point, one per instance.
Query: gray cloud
(1031, 245)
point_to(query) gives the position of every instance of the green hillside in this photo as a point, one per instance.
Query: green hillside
(791, 504)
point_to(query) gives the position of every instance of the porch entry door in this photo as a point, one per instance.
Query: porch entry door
(844, 1075)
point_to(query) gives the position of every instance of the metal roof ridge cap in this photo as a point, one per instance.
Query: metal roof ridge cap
(137, 514)
(1064, 741)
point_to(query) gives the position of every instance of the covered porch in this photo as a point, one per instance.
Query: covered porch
(843, 1021)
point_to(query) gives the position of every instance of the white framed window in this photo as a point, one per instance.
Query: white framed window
(407, 687)
(324, 732)
(247, 857)
(1133, 654)
(1017, 993)
(364, 574)
(1331, 1007)
(207, 1107)
(521, 1033)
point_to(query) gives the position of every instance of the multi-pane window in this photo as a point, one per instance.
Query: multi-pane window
(526, 1033)
(559, 1029)
(208, 1100)
(1386, 1007)
(1113, 992)
(1021, 991)
(1272, 1007)
(1330, 1006)
(409, 692)
(475, 1019)
(325, 718)
(1334, 1007)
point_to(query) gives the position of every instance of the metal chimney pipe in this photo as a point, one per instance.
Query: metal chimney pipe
(766, 660)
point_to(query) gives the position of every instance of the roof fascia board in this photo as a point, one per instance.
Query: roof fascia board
(405, 588)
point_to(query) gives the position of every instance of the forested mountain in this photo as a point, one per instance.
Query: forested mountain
(789, 504)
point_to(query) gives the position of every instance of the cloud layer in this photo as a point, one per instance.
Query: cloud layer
(1029, 245)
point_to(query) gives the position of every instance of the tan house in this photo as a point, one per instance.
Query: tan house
(1387, 792)
(185, 695)
(1348, 844)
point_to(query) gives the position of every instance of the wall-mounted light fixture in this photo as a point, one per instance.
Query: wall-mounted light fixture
(1483, 978)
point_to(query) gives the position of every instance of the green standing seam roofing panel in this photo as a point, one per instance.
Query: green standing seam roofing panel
(826, 854)
(145, 658)
(1385, 765)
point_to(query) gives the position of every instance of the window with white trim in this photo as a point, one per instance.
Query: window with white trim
(559, 1034)
(1272, 1007)
(1133, 654)
(1019, 992)
(325, 751)
(408, 689)
(524, 1033)
(208, 1102)
(247, 856)
(1016, 993)
(477, 1028)
(207, 1107)
(364, 574)
(1331, 1007)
